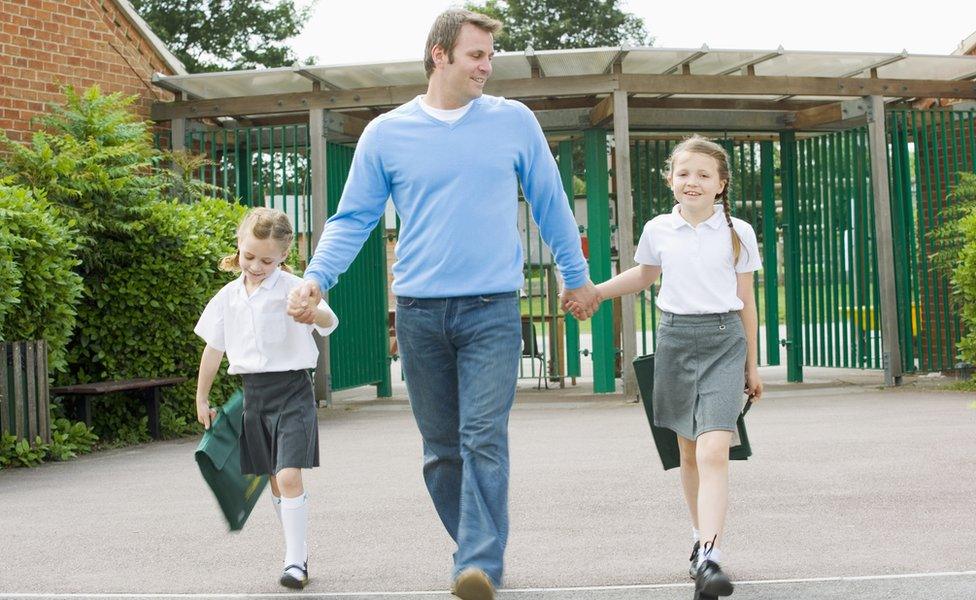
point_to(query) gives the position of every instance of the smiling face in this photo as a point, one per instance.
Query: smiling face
(695, 180)
(259, 258)
(460, 75)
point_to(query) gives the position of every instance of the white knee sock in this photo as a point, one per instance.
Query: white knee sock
(276, 503)
(294, 522)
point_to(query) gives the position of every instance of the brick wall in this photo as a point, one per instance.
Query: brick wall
(46, 44)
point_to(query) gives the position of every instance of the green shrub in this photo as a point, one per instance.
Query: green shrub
(38, 290)
(139, 319)
(957, 258)
(67, 441)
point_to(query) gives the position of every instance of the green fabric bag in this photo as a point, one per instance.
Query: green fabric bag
(218, 456)
(665, 440)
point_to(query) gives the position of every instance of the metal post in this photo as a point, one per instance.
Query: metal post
(770, 259)
(625, 232)
(572, 325)
(878, 144)
(791, 237)
(598, 234)
(317, 148)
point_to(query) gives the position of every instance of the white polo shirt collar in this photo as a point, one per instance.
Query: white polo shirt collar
(715, 221)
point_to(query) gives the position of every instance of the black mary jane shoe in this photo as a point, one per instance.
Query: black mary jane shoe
(693, 568)
(290, 581)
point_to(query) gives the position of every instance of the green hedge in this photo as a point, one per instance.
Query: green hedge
(138, 319)
(38, 289)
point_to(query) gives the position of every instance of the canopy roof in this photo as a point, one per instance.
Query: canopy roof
(672, 78)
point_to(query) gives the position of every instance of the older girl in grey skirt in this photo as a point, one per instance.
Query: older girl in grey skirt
(248, 320)
(706, 352)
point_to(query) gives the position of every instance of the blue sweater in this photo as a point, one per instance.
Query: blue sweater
(455, 187)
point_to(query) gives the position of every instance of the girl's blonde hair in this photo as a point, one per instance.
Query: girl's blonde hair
(699, 145)
(262, 223)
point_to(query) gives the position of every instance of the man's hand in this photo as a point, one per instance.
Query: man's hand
(303, 301)
(582, 302)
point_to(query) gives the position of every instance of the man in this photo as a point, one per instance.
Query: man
(452, 160)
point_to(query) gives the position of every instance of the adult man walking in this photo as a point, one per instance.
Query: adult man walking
(452, 161)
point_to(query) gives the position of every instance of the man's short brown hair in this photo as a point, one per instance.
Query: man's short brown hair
(444, 32)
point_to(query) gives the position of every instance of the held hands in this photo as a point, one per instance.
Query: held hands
(205, 414)
(754, 385)
(582, 302)
(303, 302)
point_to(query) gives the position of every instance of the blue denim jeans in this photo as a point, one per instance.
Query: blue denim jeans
(460, 360)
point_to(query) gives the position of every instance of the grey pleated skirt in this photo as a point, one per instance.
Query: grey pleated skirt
(280, 423)
(699, 373)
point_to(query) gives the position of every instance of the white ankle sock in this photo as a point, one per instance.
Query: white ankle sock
(276, 503)
(695, 535)
(294, 522)
(714, 554)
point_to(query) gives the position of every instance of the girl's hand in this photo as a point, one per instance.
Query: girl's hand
(575, 309)
(754, 384)
(205, 414)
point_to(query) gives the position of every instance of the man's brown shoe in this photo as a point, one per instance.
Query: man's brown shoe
(473, 584)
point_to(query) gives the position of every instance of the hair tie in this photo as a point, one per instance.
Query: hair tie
(730, 225)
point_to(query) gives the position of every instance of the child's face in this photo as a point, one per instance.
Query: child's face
(694, 179)
(259, 258)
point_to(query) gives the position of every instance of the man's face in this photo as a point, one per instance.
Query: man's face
(464, 78)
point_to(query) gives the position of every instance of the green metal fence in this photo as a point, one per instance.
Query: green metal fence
(269, 166)
(929, 150)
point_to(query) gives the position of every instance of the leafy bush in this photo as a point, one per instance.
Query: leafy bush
(140, 317)
(148, 264)
(38, 289)
(67, 441)
(957, 257)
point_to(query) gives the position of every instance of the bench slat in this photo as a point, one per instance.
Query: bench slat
(18, 392)
(4, 392)
(109, 387)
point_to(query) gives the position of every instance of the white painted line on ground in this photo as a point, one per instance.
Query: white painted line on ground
(505, 592)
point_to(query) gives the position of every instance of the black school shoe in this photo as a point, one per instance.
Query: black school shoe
(693, 569)
(289, 581)
(711, 581)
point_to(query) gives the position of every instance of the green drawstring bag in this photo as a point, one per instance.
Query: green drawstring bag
(219, 458)
(665, 440)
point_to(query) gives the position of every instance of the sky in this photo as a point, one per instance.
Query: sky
(360, 31)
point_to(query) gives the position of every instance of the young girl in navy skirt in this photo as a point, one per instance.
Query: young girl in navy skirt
(706, 352)
(247, 319)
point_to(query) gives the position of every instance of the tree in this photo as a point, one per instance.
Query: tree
(214, 35)
(553, 24)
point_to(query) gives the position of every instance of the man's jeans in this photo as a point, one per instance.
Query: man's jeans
(460, 359)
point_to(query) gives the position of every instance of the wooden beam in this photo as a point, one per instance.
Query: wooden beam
(572, 86)
(839, 114)
(535, 69)
(794, 86)
(878, 146)
(625, 234)
(602, 112)
(319, 213)
(316, 79)
(750, 65)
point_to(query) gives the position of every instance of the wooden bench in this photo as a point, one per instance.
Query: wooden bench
(150, 390)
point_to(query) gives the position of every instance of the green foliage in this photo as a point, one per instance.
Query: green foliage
(140, 317)
(148, 265)
(67, 441)
(554, 24)
(94, 163)
(226, 34)
(38, 289)
(957, 257)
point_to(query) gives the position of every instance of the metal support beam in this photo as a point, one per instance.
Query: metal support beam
(770, 260)
(878, 145)
(320, 207)
(625, 236)
(598, 235)
(572, 325)
(791, 250)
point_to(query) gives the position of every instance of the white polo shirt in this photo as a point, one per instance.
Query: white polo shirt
(696, 262)
(256, 332)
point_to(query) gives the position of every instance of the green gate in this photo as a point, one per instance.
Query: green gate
(269, 166)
